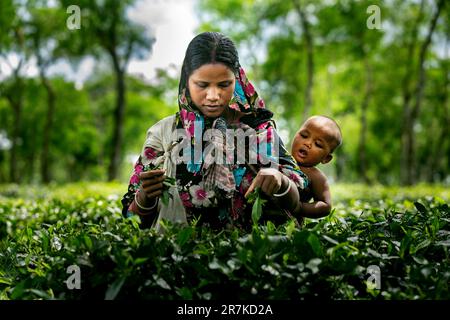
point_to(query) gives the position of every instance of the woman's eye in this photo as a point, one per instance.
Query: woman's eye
(202, 85)
(224, 85)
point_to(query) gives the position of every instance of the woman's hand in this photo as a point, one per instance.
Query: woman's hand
(270, 181)
(152, 185)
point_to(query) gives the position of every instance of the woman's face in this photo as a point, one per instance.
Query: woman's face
(211, 88)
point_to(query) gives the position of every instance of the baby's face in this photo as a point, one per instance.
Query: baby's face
(312, 143)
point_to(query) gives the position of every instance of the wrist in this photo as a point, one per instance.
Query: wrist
(142, 202)
(144, 199)
(285, 187)
(285, 182)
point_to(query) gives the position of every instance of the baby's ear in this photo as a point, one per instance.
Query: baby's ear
(327, 158)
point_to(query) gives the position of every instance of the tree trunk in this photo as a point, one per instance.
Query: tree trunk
(408, 151)
(438, 151)
(406, 162)
(119, 111)
(442, 145)
(415, 112)
(307, 37)
(362, 163)
(48, 128)
(15, 98)
(16, 104)
(2, 171)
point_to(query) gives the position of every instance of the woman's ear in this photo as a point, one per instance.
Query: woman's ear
(327, 158)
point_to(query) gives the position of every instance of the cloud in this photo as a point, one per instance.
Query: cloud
(172, 23)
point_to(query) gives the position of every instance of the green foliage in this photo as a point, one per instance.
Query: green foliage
(348, 60)
(40, 237)
(7, 22)
(258, 203)
(270, 37)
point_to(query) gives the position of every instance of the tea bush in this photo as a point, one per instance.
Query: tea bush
(43, 231)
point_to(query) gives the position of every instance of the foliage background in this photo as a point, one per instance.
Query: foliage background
(387, 88)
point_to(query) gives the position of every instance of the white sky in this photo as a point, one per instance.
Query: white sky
(173, 24)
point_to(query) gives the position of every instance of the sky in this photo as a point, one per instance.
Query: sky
(172, 22)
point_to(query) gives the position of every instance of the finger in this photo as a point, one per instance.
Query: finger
(154, 174)
(267, 186)
(152, 197)
(151, 174)
(250, 189)
(271, 189)
(255, 183)
(153, 180)
(153, 187)
(276, 189)
(155, 194)
(149, 182)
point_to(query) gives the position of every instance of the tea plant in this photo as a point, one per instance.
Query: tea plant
(408, 241)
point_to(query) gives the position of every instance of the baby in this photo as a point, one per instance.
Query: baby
(314, 143)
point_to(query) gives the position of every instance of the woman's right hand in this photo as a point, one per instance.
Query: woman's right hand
(152, 184)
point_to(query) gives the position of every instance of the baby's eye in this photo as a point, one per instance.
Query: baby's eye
(304, 135)
(319, 145)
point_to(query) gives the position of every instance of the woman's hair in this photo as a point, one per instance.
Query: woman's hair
(208, 47)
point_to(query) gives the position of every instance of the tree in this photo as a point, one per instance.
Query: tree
(13, 44)
(411, 111)
(309, 45)
(106, 29)
(43, 30)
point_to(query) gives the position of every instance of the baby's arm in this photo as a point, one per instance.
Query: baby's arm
(321, 206)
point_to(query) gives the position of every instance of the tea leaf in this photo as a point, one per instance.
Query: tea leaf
(114, 288)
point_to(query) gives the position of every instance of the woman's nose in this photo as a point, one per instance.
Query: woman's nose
(212, 94)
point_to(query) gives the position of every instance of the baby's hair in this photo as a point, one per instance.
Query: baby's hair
(337, 133)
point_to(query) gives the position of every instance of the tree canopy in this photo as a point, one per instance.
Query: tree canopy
(381, 71)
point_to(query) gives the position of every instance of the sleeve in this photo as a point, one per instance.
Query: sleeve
(149, 159)
(133, 186)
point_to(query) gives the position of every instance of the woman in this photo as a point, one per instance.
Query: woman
(214, 175)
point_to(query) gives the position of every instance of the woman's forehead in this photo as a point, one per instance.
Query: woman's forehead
(212, 72)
